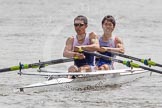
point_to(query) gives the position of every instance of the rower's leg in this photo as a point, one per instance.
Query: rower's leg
(72, 68)
(104, 67)
(85, 68)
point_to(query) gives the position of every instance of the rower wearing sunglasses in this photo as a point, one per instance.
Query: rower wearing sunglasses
(82, 40)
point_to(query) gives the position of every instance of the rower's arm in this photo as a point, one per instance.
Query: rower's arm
(68, 51)
(119, 46)
(94, 42)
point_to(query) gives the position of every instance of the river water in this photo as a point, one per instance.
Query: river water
(32, 30)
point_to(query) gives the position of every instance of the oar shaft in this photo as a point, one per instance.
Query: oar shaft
(144, 61)
(103, 56)
(35, 65)
(158, 65)
(150, 69)
(127, 63)
(126, 56)
(51, 62)
(5, 70)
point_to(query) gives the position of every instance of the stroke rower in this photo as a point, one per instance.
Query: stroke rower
(82, 40)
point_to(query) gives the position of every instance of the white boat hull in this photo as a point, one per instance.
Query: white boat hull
(88, 81)
(94, 82)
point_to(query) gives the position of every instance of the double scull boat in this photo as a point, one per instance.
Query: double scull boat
(87, 79)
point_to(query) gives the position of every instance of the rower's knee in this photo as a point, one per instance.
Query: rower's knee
(104, 67)
(73, 69)
(85, 68)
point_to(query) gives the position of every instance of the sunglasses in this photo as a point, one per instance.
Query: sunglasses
(78, 24)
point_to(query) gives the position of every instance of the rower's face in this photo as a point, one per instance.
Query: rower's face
(108, 26)
(80, 27)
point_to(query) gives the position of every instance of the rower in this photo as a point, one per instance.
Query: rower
(108, 42)
(82, 40)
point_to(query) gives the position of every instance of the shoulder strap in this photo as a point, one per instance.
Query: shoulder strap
(115, 40)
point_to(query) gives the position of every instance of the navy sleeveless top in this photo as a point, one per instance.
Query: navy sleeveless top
(109, 43)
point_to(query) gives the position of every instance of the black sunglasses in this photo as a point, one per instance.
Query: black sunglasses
(78, 24)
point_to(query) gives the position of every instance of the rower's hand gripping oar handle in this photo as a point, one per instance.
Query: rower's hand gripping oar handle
(80, 51)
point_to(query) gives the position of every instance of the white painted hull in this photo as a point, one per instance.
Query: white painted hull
(102, 81)
(88, 82)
